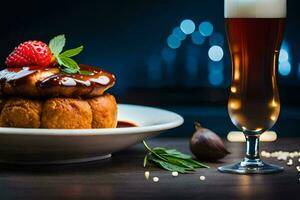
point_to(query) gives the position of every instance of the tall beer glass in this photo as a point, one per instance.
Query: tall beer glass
(254, 31)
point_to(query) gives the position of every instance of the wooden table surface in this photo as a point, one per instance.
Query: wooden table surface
(122, 177)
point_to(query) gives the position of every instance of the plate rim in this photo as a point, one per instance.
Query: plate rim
(100, 131)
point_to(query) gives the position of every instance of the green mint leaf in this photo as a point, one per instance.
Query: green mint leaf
(198, 164)
(181, 163)
(153, 152)
(69, 70)
(172, 152)
(85, 72)
(171, 160)
(145, 160)
(68, 65)
(189, 162)
(68, 62)
(59, 61)
(169, 166)
(72, 52)
(57, 44)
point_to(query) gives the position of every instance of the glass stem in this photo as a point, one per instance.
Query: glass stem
(252, 146)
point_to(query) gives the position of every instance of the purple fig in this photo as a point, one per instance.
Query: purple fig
(207, 145)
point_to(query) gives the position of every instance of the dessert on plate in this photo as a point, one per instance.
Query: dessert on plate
(43, 87)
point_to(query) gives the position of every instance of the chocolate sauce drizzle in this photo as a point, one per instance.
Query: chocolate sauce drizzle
(51, 81)
(15, 75)
(96, 77)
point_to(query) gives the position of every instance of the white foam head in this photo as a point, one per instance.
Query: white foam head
(255, 8)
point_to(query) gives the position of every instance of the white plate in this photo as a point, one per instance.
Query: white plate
(57, 146)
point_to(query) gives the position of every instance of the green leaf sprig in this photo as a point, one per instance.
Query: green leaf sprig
(171, 160)
(64, 59)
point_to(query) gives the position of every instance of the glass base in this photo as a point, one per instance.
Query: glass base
(251, 166)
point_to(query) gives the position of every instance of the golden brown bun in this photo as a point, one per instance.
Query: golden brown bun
(66, 113)
(2, 103)
(60, 113)
(102, 115)
(21, 113)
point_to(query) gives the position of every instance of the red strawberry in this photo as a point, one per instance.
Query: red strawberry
(30, 53)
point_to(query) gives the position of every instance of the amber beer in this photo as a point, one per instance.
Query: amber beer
(254, 36)
(254, 30)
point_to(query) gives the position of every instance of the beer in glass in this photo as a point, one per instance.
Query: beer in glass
(254, 31)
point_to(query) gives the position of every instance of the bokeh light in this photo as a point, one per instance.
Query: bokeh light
(168, 55)
(173, 42)
(215, 66)
(187, 26)
(215, 72)
(206, 28)
(177, 32)
(216, 39)
(215, 77)
(283, 55)
(197, 38)
(215, 53)
(285, 68)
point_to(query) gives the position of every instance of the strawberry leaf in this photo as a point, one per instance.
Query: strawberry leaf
(72, 52)
(57, 44)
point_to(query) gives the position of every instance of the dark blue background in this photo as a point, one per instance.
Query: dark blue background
(126, 36)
